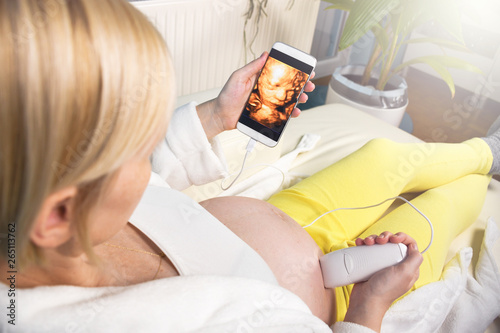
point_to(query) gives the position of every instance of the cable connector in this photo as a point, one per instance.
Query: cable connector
(250, 145)
(249, 149)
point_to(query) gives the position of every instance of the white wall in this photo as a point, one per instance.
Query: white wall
(205, 37)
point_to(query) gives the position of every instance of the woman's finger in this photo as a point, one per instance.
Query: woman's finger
(253, 67)
(409, 267)
(384, 237)
(401, 237)
(309, 87)
(296, 112)
(303, 98)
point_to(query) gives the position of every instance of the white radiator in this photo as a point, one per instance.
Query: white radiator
(205, 37)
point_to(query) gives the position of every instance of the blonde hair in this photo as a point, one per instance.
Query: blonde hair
(85, 84)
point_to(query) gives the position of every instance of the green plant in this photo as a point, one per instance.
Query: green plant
(255, 12)
(392, 22)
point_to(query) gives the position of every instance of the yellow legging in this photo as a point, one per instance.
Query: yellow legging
(452, 177)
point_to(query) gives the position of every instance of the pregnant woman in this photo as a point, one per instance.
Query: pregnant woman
(85, 101)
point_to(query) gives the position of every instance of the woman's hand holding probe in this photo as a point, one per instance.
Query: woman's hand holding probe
(222, 113)
(371, 299)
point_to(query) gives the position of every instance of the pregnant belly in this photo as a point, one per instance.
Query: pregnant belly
(290, 252)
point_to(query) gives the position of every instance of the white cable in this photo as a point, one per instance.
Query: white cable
(393, 198)
(250, 146)
(249, 149)
(283, 176)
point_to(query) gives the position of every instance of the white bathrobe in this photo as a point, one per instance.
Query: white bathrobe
(224, 285)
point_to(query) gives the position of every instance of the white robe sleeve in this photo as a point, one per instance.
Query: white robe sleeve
(186, 157)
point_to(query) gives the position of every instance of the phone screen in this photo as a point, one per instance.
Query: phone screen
(275, 94)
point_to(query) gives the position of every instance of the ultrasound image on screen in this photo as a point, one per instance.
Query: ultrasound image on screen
(275, 94)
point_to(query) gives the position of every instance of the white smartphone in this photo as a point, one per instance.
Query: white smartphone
(276, 93)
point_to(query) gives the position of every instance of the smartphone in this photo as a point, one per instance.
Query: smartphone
(276, 93)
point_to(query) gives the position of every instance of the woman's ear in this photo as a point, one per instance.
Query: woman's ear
(52, 226)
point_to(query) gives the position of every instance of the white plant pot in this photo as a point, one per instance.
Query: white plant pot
(389, 105)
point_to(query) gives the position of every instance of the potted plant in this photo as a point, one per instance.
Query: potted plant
(376, 87)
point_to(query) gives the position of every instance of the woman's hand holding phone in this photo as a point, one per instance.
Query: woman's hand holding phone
(222, 113)
(276, 93)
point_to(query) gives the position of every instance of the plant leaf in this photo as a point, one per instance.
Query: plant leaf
(363, 15)
(446, 61)
(442, 71)
(382, 37)
(441, 42)
(441, 64)
(340, 4)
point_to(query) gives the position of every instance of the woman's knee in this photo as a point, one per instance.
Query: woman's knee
(381, 148)
(465, 195)
(380, 145)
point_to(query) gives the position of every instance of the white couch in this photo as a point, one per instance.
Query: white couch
(205, 39)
